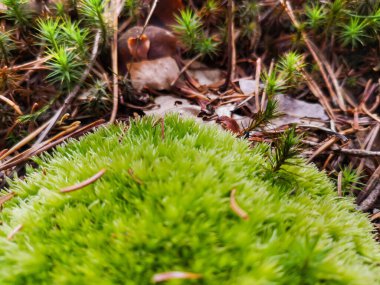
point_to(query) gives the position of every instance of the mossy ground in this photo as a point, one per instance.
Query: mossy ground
(120, 231)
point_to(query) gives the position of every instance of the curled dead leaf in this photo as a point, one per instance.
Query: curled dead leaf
(229, 124)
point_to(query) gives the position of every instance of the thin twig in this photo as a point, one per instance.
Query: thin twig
(6, 198)
(14, 231)
(339, 186)
(83, 184)
(236, 208)
(257, 87)
(263, 97)
(188, 64)
(148, 18)
(372, 190)
(12, 104)
(231, 45)
(115, 75)
(166, 276)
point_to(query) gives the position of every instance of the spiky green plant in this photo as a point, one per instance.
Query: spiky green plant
(354, 32)
(49, 31)
(316, 16)
(19, 11)
(190, 30)
(93, 12)
(285, 151)
(76, 36)
(263, 117)
(163, 205)
(7, 45)
(66, 67)
(351, 180)
(290, 66)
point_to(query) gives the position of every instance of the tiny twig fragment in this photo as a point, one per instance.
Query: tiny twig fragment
(236, 208)
(166, 276)
(84, 183)
(6, 198)
(14, 231)
(134, 177)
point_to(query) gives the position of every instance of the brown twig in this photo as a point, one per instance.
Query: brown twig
(187, 65)
(257, 87)
(231, 45)
(134, 177)
(115, 75)
(12, 104)
(83, 184)
(236, 208)
(6, 198)
(14, 232)
(166, 276)
(372, 191)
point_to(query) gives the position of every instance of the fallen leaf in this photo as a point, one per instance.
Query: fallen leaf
(172, 104)
(229, 124)
(204, 75)
(156, 74)
(298, 111)
(247, 86)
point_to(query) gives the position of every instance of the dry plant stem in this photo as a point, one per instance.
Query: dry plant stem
(370, 140)
(263, 97)
(39, 149)
(84, 183)
(373, 116)
(14, 232)
(24, 141)
(33, 149)
(188, 93)
(149, 16)
(340, 136)
(166, 276)
(236, 208)
(354, 152)
(6, 198)
(231, 45)
(188, 64)
(134, 177)
(340, 177)
(327, 144)
(257, 89)
(12, 104)
(115, 82)
(288, 9)
(74, 92)
(317, 92)
(372, 191)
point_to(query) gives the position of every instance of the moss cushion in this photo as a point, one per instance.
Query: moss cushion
(163, 205)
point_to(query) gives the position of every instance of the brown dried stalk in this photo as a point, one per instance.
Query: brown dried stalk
(236, 208)
(84, 183)
(6, 198)
(166, 276)
(14, 231)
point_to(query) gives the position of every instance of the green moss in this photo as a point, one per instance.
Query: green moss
(117, 231)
